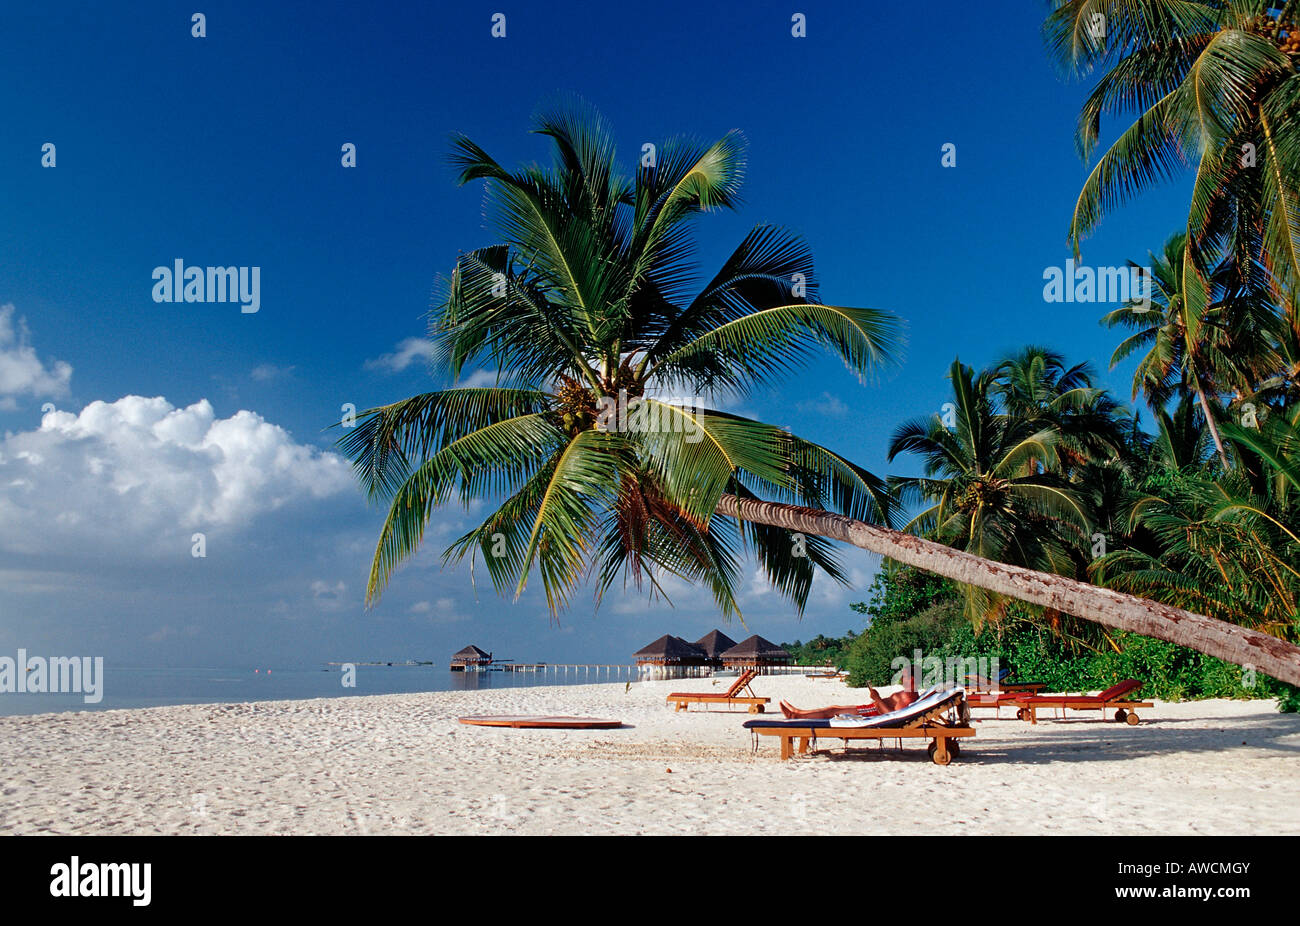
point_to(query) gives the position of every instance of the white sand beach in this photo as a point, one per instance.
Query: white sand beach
(402, 764)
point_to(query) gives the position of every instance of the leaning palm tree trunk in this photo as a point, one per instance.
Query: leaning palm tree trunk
(1220, 639)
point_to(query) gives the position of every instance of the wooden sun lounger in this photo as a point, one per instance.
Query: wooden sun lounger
(1116, 697)
(939, 718)
(978, 684)
(732, 696)
(995, 700)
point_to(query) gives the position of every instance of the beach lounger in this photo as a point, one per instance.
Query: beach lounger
(730, 697)
(1118, 698)
(996, 700)
(940, 717)
(978, 684)
(870, 710)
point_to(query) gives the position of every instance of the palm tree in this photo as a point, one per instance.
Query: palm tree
(1277, 384)
(992, 480)
(1190, 347)
(1212, 83)
(1271, 452)
(589, 301)
(1179, 443)
(1222, 546)
(1035, 382)
(598, 444)
(1036, 385)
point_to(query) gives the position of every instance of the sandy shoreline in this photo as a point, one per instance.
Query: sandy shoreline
(401, 764)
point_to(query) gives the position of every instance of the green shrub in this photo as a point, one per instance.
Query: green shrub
(1170, 672)
(901, 592)
(1219, 679)
(871, 657)
(1288, 701)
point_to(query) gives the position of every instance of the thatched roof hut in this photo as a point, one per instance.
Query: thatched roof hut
(470, 656)
(756, 652)
(671, 657)
(714, 644)
(669, 651)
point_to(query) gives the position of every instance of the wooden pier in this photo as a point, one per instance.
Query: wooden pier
(587, 670)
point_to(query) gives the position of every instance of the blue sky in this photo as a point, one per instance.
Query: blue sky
(225, 150)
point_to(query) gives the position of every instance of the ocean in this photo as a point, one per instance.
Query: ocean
(132, 687)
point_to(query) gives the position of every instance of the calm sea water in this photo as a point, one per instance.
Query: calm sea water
(126, 687)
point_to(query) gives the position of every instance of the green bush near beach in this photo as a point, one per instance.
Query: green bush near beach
(821, 650)
(910, 611)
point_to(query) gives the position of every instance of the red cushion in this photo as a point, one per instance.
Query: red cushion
(1114, 691)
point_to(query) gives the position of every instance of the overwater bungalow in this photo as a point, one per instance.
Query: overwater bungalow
(471, 657)
(671, 657)
(756, 653)
(714, 644)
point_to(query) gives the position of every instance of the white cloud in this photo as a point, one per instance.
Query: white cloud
(760, 586)
(140, 474)
(407, 352)
(828, 406)
(442, 611)
(329, 597)
(21, 371)
(266, 372)
(479, 379)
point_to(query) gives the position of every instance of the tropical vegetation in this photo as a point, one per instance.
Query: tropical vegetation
(911, 612)
(821, 650)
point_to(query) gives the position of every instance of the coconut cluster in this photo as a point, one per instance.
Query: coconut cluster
(1282, 31)
(576, 408)
(986, 492)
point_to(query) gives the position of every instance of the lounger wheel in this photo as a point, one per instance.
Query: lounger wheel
(954, 748)
(939, 759)
(1121, 715)
(1132, 720)
(756, 708)
(1022, 714)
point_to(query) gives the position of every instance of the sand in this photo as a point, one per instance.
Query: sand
(401, 764)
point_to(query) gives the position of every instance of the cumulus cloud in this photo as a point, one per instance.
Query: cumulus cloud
(407, 352)
(21, 371)
(140, 472)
